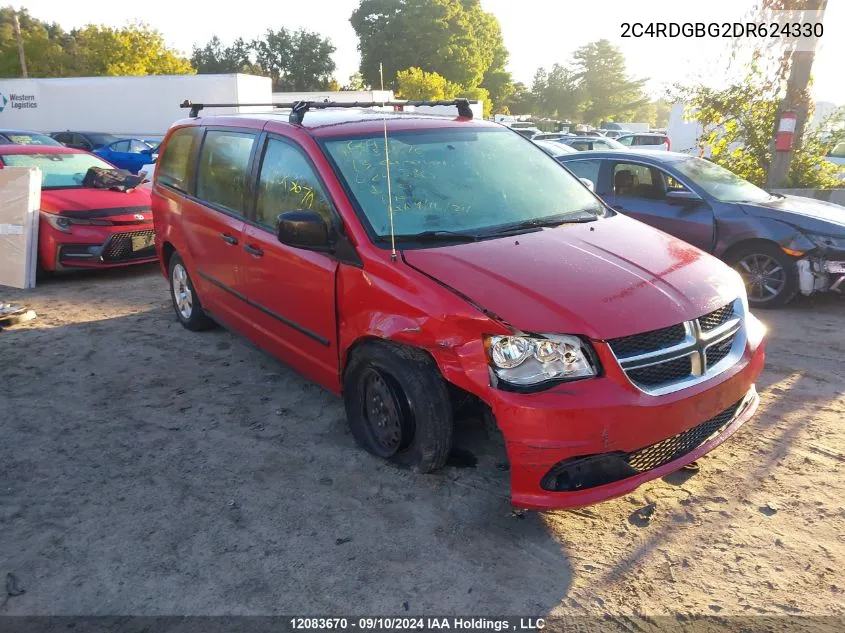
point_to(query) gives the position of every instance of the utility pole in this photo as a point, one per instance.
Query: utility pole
(21, 55)
(797, 98)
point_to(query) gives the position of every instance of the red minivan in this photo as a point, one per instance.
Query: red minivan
(413, 263)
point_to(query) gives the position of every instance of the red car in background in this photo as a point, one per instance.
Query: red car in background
(84, 227)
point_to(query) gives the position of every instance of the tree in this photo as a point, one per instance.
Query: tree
(558, 93)
(356, 82)
(90, 51)
(130, 50)
(522, 101)
(415, 84)
(737, 123)
(456, 39)
(607, 91)
(297, 61)
(216, 58)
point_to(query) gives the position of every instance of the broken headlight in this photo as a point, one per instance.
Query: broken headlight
(528, 361)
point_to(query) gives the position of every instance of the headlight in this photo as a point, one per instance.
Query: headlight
(827, 241)
(526, 361)
(63, 223)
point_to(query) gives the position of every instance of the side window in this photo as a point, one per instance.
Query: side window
(288, 183)
(223, 163)
(581, 145)
(136, 146)
(81, 141)
(638, 181)
(173, 163)
(626, 140)
(588, 169)
(120, 146)
(64, 137)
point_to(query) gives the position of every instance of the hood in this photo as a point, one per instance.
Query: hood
(604, 279)
(808, 214)
(97, 203)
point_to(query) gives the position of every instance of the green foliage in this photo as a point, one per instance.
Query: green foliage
(739, 122)
(135, 49)
(416, 84)
(215, 58)
(356, 82)
(607, 92)
(296, 60)
(594, 87)
(455, 39)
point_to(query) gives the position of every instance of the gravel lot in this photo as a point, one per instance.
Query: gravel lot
(147, 470)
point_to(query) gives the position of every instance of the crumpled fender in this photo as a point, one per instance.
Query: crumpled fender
(409, 308)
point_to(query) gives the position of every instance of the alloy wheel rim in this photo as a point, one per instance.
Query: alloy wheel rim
(182, 294)
(382, 412)
(764, 277)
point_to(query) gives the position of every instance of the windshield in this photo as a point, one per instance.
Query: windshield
(57, 170)
(29, 138)
(720, 183)
(457, 180)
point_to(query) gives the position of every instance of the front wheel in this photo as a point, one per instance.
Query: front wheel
(398, 406)
(770, 275)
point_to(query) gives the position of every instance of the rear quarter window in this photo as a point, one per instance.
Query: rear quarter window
(173, 164)
(588, 169)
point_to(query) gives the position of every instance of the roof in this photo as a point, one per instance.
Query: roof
(645, 134)
(14, 130)
(350, 121)
(38, 149)
(653, 155)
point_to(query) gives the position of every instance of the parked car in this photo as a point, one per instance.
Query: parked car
(780, 245)
(24, 137)
(590, 143)
(554, 149)
(645, 141)
(89, 141)
(615, 133)
(608, 353)
(130, 154)
(83, 227)
(837, 157)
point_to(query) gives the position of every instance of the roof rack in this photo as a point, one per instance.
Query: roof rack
(299, 108)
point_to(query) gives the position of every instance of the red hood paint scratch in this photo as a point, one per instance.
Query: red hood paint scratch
(609, 278)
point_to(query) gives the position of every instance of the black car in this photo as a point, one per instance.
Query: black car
(780, 245)
(25, 137)
(89, 141)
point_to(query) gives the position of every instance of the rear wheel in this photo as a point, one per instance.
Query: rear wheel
(398, 406)
(770, 275)
(186, 302)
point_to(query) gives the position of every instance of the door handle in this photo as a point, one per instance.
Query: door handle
(253, 250)
(229, 239)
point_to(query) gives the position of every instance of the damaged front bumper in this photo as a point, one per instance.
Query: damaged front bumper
(821, 273)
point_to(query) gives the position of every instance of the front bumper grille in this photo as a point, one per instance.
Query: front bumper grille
(119, 247)
(672, 448)
(590, 471)
(672, 358)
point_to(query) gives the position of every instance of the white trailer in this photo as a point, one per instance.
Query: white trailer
(125, 106)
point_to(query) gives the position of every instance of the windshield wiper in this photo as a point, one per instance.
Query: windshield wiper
(439, 235)
(545, 222)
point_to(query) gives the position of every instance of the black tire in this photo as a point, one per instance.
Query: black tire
(408, 402)
(196, 319)
(786, 284)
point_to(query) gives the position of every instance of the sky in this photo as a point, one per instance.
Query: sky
(536, 32)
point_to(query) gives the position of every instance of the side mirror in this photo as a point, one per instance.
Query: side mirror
(303, 229)
(588, 184)
(683, 197)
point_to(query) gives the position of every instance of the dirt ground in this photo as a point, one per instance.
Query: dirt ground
(147, 470)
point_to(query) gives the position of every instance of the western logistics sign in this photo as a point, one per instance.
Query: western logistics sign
(17, 101)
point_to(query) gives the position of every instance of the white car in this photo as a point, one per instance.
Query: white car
(555, 149)
(646, 141)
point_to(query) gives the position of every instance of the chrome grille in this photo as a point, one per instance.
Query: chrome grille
(673, 358)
